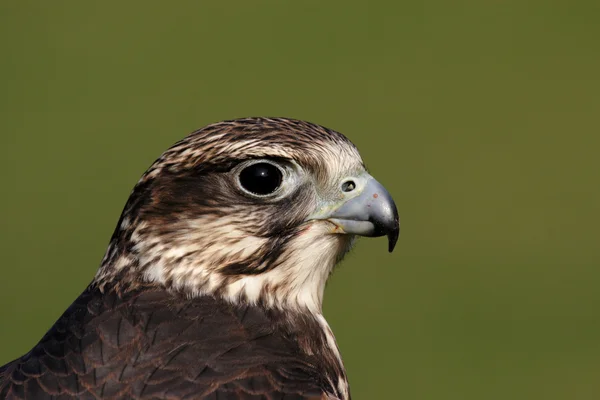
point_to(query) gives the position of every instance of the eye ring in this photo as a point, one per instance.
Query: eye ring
(261, 178)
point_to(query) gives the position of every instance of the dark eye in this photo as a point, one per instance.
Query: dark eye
(261, 178)
(348, 186)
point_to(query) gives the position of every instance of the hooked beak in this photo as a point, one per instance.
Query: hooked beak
(369, 212)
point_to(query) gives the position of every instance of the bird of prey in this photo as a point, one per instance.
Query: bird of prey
(212, 283)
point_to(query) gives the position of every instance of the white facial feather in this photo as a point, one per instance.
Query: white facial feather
(297, 282)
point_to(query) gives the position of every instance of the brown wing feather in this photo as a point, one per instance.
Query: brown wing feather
(151, 344)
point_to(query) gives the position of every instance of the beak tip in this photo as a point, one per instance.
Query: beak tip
(393, 239)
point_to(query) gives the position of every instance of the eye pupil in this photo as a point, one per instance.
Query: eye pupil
(261, 178)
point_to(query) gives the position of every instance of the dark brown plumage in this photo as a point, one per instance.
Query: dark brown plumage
(149, 343)
(208, 291)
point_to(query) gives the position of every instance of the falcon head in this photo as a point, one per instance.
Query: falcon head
(257, 210)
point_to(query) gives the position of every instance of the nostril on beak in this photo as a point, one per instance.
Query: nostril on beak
(348, 186)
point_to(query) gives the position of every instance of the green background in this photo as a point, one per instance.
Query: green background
(481, 117)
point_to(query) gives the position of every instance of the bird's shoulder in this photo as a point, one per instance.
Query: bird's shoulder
(150, 343)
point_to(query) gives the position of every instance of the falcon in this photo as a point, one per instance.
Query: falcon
(212, 284)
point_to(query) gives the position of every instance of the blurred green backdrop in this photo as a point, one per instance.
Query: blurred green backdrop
(481, 117)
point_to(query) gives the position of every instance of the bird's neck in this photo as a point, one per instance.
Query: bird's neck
(295, 280)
